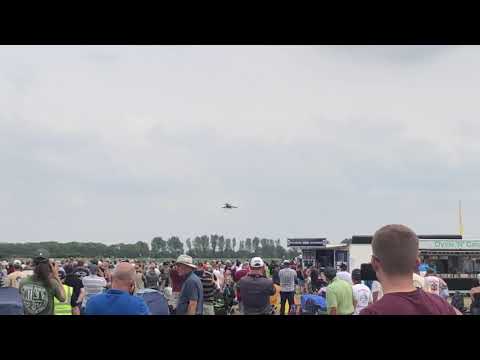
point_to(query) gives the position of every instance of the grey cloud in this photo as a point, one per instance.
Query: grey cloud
(124, 143)
(397, 54)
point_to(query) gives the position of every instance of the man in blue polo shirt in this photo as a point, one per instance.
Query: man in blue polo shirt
(119, 300)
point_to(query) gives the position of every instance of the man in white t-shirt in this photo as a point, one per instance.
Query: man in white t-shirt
(344, 274)
(219, 276)
(362, 295)
(432, 283)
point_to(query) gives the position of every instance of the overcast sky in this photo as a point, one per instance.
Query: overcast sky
(124, 143)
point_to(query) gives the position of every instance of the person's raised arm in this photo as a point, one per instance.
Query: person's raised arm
(59, 291)
(81, 296)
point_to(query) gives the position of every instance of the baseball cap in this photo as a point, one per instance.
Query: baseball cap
(41, 255)
(257, 262)
(286, 262)
(356, 274)
(17, 262)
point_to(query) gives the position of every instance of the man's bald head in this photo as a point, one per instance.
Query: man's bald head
(396, 246)
(124, 273)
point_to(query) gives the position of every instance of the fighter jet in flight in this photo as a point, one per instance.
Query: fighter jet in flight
(228, 206)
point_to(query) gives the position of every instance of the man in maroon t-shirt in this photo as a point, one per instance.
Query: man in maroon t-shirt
(236, 277)
(394, 259)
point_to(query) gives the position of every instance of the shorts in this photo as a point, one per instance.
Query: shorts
(208, 309)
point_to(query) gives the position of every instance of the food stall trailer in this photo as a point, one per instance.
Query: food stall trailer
(455, 259)
(319, 252)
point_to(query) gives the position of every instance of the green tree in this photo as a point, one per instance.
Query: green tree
(248, 245)
(175, 246)
(221, 244)
(142, 249)
(205, 240)
(228, 247)
(256, 245)
(197, 245)
(159, 247)
(213, 243)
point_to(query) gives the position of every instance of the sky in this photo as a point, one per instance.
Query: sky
(125, 143)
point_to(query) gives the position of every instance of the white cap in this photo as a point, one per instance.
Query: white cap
(17, 262)
(257, 262)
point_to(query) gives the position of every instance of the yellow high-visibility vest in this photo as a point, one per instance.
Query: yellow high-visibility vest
(64, 308)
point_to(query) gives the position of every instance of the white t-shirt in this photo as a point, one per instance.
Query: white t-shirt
(345, 275)
(220, 278)
(363, 297)
(432, 284)
(377, 287)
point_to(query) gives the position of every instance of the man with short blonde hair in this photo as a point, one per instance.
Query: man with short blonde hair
(394, 260)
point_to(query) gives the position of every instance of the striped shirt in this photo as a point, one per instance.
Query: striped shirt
(93, 285)
(209, 287)
(287, 279)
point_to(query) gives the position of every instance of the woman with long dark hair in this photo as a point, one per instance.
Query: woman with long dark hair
(38, 290)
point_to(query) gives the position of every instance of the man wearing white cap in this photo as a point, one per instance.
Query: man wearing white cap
(256, 289)
(190, 301)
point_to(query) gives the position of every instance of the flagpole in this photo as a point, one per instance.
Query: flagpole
(460, 217)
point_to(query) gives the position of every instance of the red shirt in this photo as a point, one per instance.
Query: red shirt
(238, 275)
(416, 302)
(177, 280)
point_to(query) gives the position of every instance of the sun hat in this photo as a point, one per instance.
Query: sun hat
(186, 260)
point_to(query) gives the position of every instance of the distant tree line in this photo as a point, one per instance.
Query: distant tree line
(213, 246)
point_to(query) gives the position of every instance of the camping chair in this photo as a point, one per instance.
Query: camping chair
(10, 302)
(155, 300)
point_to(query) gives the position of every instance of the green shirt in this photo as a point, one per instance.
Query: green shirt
(37, 298)
(340, 296)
